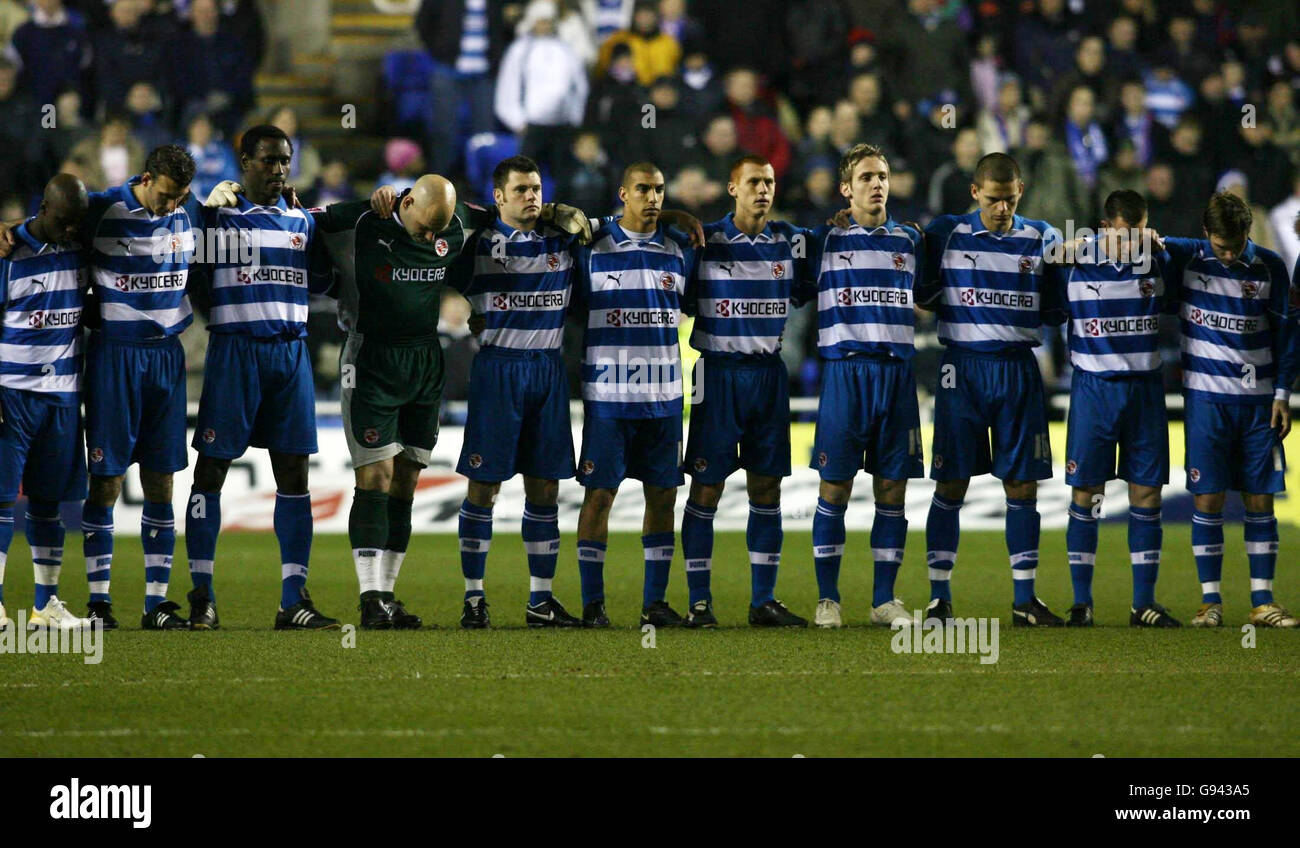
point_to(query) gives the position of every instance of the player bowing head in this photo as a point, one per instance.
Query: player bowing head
(427, 208)
(642, 193)
(864, 182)
(165, 180)
(63, 208)
(1226, 222)
(997, 187)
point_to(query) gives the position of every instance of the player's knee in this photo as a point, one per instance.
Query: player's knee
(483, 495)
(104, 491)
(707, 495)
(953, 490)
(1145, 497)
(836, 492)
(210, 473)
(375, 477)
(889, 492)
(538, 491)
(157, 486)
(1257, 503)
(1086, 496)
(764, 491)
(1022, 490)
(598, 501)
(1212, 502)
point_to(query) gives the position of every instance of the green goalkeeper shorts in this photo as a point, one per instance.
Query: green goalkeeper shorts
(391, 399)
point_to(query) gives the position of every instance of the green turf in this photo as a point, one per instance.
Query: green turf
(247, 690)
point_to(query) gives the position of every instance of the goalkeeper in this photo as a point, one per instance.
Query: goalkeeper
(392, 274)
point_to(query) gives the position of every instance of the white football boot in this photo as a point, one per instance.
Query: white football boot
(55, 616)
(5, 621)
(828, 614)
(891, 614)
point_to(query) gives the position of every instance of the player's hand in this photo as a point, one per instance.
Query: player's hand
(686, 222)
(842, 219)
(223, 194)
(290, 196)
(1150, 234)
(382, 201)
(572, 220)
(1281, 418)
(477, 323)
(6, 240)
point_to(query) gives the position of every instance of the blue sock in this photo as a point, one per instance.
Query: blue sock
(97, 545)
(697, 549)
(1081, 548)
(541, 532)
(158, 537)
(828, 548)
(45, 534)
(658, 548)
(1207, 549)
(1022, 545)
(293, 527)
(763, 537)
(475, 540)
(888, 538)
(1145, 536)
(942, 532)
(6, 538)
(1261, 552)
(202, 524)
(591, 570)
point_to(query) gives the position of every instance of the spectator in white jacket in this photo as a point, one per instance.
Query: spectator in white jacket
(1283, 221)
(541, 89)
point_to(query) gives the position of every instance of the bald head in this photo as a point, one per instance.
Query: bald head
(63, 208)
(428, 207)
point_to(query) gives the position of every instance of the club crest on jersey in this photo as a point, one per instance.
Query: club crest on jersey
(1146, 288)
(209, 435)
(588, 466)
(174, 242)
(475, 460)
(778, 270)
(441, 247)
(371, 435)
(552, 262)
(666, 281)
(1093, 327)
(614, 317)
(1194, 474)
(296, 241)
(723, 308)
(900, 263)
(1071, 466)
(821, 459)
(1026, 265)
(1249, 289)
(96, 454)
(701, 463)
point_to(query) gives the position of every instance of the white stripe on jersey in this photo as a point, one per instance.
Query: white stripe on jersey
(65, 383)
(964, 332)
(1198, 382)
(165, 317)
(873, 332)
(273, 310)
(1210, 350)
(1104, 362)
(24, 354)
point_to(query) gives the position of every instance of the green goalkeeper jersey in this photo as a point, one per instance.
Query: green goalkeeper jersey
(391, 285)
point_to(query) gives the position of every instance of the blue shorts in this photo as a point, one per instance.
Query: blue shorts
(40, 445)
(1123, 412)
(979, 393)
(741, 421)
(868, 420)
(135, 405)
(256, 393)
(645, 449)
(518, 417)
(1233, 446)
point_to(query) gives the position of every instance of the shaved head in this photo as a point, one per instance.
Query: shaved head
(428, 207)
(63, 208)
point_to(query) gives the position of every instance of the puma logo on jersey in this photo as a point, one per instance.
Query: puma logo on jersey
(1095, 288)
(125, 245)
(387, 244)
(727, 266)
(40, 283)
(846, 258)
(1204, 281)
(616, 278)
(971, 257)
(503, 262)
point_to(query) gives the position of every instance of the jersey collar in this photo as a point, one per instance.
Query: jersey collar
(886, 227)
(977, 225)
(1246, 259)
(511, 234)
(621, 238)
(127, 196)
(243, 204)
(23, 232)
(734, 233)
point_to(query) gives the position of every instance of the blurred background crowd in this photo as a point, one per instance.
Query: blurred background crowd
(1174, 98)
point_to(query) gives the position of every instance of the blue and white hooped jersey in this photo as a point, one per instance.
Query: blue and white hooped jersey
(42, 289)
(1115, 316)
(267, 298)
(1235, 323)
(141, 263)
(991, 293)
(632, 291)
(742, 288)
(865, 283)
(521, 286)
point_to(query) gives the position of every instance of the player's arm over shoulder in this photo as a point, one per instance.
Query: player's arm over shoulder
(338, 217)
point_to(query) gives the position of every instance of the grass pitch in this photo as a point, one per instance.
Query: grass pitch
(248, 691)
